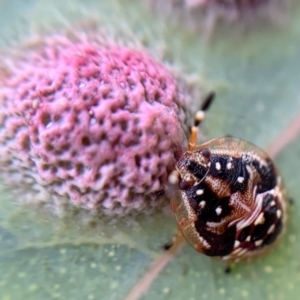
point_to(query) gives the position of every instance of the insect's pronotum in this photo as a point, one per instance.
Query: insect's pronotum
(229, 200)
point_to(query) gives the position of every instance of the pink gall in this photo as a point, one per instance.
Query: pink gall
(99, 125)
(205, 15)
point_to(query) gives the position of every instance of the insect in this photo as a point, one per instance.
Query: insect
(229, 200)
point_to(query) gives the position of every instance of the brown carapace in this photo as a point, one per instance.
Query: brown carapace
(229, 200)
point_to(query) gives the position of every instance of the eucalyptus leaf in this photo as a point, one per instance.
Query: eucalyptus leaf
(256, 78)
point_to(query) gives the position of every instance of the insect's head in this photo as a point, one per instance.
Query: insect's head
(193, 167)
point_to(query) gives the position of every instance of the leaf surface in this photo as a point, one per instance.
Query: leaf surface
(256, 78)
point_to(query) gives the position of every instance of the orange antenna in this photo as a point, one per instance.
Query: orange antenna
(199, 117)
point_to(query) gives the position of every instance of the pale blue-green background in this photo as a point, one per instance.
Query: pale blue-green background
(257, 80)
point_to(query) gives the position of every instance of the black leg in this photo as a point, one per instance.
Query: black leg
(168, 245)
(227, 269)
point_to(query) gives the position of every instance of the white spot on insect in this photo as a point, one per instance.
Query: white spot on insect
(199, 192)
(258, 243)
(271, 229)
(249, 169)
(278, 213)
(240, 179)
(273, 203)
(248, 239)
(229, 165)
(218, 210)
(202, 204)
(200, 115)
(218, 166)
(260, 219)
(236, 244)
(204, 243)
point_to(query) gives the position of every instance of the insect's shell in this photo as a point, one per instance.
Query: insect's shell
(231, 202)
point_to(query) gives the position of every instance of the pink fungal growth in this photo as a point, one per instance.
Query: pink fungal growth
(99, 125)
(228, 4)
(233, 9)
(206, 14)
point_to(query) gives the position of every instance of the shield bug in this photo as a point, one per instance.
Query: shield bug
(229, 201)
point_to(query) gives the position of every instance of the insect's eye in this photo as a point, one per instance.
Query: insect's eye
(186, 183)
(205, 153)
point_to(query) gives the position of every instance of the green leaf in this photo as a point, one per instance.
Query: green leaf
(256, 77)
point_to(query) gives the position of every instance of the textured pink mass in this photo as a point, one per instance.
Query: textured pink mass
(227, 3)
(206, 14)
(99, 125)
